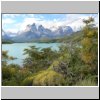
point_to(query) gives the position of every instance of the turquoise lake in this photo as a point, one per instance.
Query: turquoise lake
(16, 50)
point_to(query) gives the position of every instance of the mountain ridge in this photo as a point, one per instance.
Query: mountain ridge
(32, 32)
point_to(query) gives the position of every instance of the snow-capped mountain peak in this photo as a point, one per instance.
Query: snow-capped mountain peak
(33, 32)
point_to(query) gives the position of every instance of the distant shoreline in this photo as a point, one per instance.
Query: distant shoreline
(31, 42)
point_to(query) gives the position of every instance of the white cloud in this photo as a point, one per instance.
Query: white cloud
(12, 30)
(73, 20)
(30, 15)
(10, 15)
(76, 20)
(27, 21)
(38, 21)
(7, 21)
(13, 16)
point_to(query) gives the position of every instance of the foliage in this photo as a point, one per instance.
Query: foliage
(28, 81)
(39, 59)
(6, 57)
(89, 52)
(86, 82)
(48, 78)
(6, 74)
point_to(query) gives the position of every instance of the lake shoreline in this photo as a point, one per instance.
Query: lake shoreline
(17, 50)
(31, 42)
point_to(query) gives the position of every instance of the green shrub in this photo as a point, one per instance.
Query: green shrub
(48, 78)
(86, 82)
(28, 81)
(6, 73)
(9, 83)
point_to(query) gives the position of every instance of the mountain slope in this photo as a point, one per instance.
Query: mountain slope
(32, 32)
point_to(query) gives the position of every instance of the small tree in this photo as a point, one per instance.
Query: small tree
(89, 52)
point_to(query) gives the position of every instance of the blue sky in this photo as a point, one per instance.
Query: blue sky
(18, 22)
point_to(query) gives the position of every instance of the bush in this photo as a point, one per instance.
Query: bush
(9, 83)
(28, 81)
(48, 78)
(21, 75)
(6, 73)
(86, 82)
(9, 71)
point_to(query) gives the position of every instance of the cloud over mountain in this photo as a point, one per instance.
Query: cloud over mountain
(18, 22)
